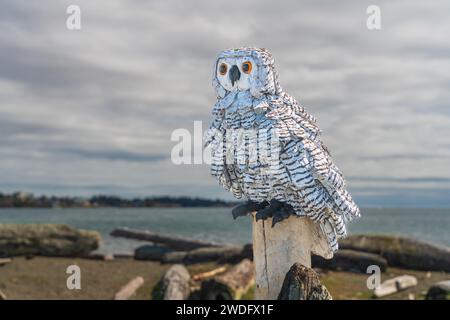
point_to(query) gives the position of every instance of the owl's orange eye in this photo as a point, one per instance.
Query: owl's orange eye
(223, 69)
(247, 67)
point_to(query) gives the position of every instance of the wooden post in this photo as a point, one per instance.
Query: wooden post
(276, 249)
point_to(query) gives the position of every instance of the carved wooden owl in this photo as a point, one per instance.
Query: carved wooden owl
(297, 176)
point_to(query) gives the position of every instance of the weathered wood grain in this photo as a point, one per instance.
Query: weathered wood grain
(174, 285)
(276, 249)
(302, 283)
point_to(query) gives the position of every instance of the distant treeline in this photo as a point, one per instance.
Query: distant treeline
(27, 200)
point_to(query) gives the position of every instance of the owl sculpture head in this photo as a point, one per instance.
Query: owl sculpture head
(245, 69)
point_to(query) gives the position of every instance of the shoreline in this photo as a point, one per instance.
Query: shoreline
(36, 258)
(45, 278)
(216, 224)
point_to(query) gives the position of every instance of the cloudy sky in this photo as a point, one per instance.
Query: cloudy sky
(92, 111)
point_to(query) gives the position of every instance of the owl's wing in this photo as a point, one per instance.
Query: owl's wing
(215, 138)
(310, 168)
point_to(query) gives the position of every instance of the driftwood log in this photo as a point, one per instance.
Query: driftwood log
(223, 254)
(151, 252)
(350, 260)
(176, 243)
(46, 240)
(99, 256)
(174, 257)
(302, 283)
(209, 274)
(394, 285)
(2, 296)
(129, 290)
(231, 285)
(402, 252)
(292, 240)
(174, 285)
(123, 255)
(4, 261)
(439, 291)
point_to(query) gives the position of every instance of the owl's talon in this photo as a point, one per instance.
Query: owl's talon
(239, 211)
(262, 215)
(279, 216)
(275, 219)
(289, 209)
(268, 211)
(246, 208)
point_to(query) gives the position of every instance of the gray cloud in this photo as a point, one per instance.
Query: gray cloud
(410, 179)
(95, 108)
(113, 155)
(400, 156)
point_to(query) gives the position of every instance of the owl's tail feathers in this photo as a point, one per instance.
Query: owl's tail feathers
(333, 177)
(344, 204)
(334, 182)
(338, 223)
(330, 232)
(343, 210)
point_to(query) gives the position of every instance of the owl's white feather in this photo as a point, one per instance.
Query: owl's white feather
(303, 175)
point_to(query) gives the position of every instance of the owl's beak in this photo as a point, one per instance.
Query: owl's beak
(234, 74)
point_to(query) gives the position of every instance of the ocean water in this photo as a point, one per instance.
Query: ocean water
(217, 224)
